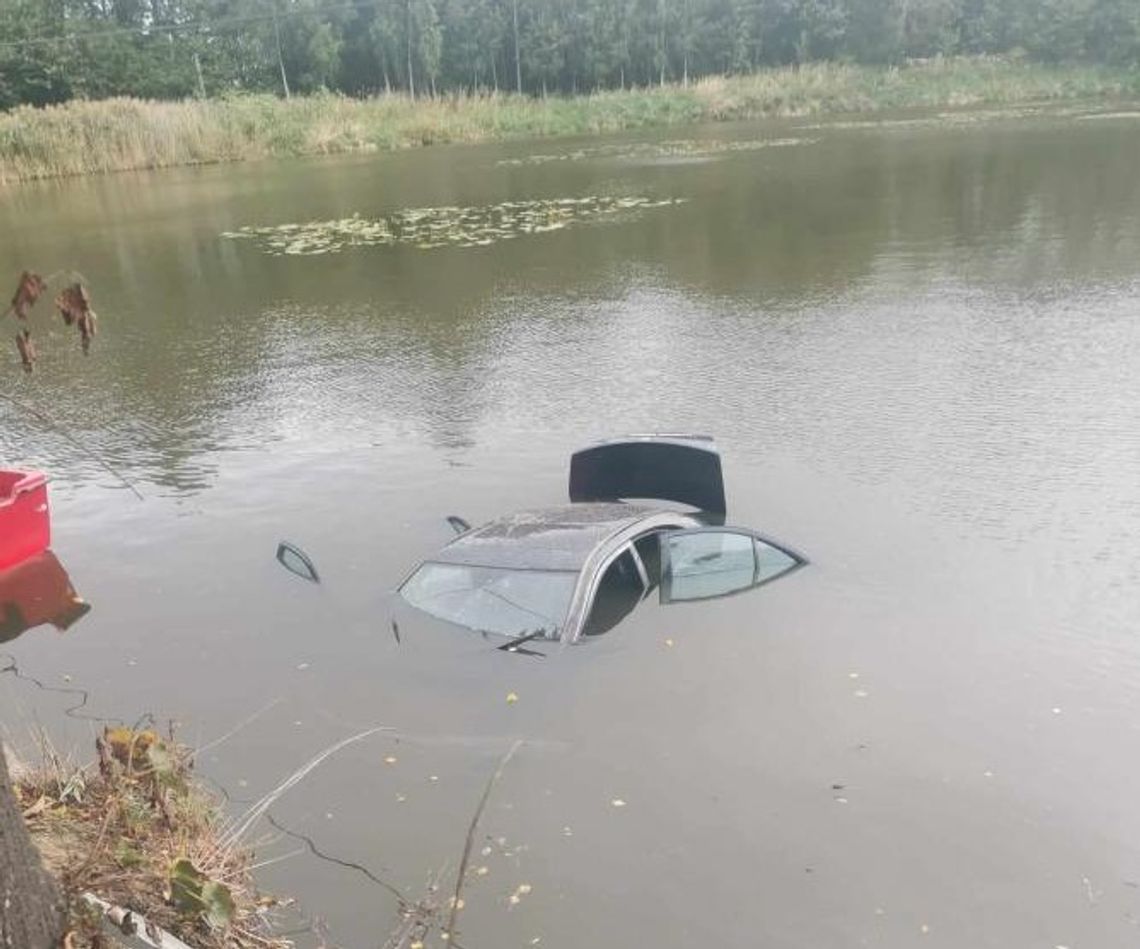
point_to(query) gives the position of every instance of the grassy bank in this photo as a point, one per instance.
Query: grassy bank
(137, 833)
(120, 134)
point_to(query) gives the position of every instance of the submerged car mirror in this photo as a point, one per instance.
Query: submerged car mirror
(458, 524)
(296, 561)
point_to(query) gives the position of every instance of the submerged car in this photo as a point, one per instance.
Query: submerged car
(576, 570)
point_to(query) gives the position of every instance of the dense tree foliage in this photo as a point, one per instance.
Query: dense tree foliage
(51, 50)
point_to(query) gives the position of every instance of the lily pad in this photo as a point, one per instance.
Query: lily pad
(433, 228)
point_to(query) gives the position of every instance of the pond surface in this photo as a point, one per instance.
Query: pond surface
(918, 345)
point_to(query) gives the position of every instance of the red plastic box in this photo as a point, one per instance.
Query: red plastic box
(25, 525)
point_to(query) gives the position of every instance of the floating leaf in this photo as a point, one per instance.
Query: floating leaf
(520, 891)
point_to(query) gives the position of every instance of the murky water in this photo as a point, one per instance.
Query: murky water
(918, 345)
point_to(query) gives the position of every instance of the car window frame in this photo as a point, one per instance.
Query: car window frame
(660, 533)
(605, 553)
(603, 570)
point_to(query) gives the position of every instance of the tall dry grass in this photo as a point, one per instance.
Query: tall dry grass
(119, 134)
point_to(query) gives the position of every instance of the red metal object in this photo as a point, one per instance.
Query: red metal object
(25, 524)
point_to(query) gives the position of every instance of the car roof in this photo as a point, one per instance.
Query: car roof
(549, 538)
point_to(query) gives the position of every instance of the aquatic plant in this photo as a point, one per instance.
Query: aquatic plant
(431, 228)
(679, 148)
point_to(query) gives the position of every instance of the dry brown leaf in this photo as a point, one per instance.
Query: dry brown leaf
(28, 291)
(73, 303)
(27, 350)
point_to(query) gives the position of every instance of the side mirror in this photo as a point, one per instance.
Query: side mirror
(295, 560)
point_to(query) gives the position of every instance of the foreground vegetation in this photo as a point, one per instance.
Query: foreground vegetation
(86, 137)
(136, 833)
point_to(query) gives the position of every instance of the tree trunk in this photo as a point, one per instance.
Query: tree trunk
(31, 909)
(518, 62)
(411, 72)
(280, 57)
(201, 81)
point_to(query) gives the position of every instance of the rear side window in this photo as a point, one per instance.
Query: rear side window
(709, 563)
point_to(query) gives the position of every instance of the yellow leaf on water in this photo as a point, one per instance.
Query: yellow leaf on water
(512, 698)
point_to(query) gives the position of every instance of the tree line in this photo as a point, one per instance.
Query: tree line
(54, 50)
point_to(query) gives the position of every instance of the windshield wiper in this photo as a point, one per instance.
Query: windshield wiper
(514, 644)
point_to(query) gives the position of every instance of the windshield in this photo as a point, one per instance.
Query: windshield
(493, 599)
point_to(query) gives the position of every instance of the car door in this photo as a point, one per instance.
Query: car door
(710, 562)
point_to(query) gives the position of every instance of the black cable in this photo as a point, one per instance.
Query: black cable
(347, 864)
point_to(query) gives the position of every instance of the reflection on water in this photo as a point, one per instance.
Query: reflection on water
(678, 148)
(917, 346)
(35, 593)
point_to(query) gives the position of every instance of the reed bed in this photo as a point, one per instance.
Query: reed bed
(84, 137)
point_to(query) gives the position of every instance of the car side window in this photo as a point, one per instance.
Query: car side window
(619, 591)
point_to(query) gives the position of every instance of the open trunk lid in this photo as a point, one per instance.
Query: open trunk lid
(681, 468)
